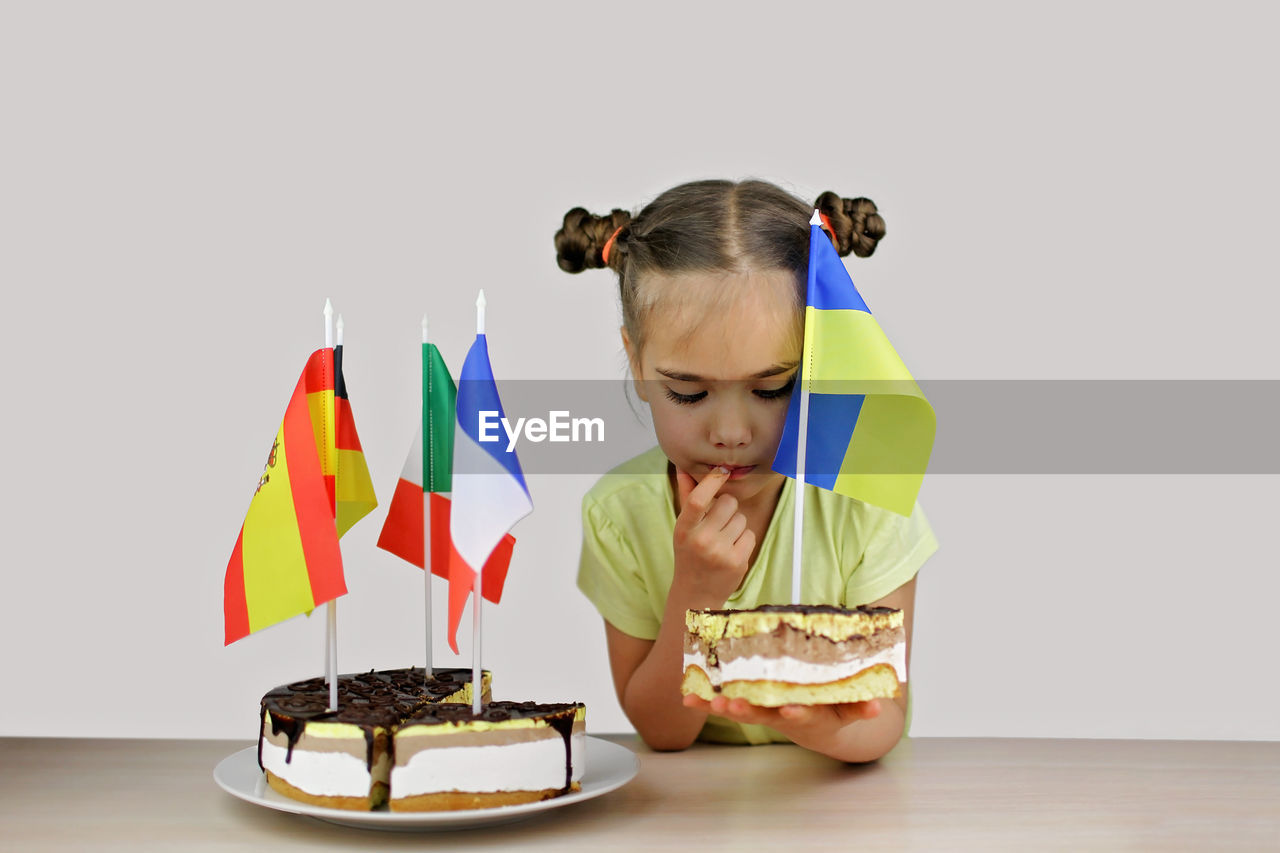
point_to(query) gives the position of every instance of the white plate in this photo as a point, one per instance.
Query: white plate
(609, 767)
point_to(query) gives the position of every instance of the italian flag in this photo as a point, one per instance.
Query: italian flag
(428, 470)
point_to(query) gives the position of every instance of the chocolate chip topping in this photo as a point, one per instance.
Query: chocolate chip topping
(806, 608)
(493, 712)
(370, 700)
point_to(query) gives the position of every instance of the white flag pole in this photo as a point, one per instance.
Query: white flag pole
(802, 440)
(428, 474)
(798, 534)
(476, 670)
(331, 609)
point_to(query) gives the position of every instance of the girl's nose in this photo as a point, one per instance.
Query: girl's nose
(730, 428)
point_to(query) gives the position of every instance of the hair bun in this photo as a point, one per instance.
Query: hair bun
(857, 225)
(581, 239)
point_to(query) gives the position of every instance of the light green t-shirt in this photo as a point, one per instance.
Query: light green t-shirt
(854, 554)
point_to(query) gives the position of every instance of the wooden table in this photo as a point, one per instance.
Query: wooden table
(928, 794)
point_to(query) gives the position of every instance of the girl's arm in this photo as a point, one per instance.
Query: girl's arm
(646, 676)
(712, 551)
(856, 732)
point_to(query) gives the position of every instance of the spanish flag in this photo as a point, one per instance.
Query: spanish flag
(353, 489)
(286, 560)
(870, 428)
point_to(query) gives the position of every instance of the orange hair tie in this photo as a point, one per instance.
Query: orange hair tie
(608, 244)
(827, 222)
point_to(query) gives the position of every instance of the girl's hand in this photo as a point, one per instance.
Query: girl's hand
(712, 542)
(807, 725)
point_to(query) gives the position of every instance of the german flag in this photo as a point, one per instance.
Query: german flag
(354, 487)
(286, 559)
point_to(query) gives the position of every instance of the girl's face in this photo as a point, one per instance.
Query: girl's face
(718, 379)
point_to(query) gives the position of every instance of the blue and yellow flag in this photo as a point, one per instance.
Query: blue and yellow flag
(870, 428)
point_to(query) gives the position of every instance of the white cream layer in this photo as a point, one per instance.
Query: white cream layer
(794, 670)
(529, 766)
(323, 774)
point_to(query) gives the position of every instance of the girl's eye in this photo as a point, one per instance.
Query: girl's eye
(685, 399)
(777, 393)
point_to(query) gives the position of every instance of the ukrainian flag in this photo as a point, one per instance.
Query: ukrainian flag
(870, 428)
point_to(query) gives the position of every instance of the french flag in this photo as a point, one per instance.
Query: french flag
(489, 490)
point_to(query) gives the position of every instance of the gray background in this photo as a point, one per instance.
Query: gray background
(1085, 192)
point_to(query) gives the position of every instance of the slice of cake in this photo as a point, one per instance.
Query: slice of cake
(795, 654)
(445, 757)
(341, 759)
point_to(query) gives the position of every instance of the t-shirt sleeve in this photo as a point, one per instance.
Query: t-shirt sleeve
(894, 549)
(608, 575)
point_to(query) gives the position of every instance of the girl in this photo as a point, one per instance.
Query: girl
(712, 280)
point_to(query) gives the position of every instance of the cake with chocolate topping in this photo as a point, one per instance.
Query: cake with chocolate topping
(445, 757)
(342, 759)
(795, 654)
(417, 746)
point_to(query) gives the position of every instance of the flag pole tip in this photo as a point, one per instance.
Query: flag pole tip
(340, 323)
(328, 308)
(816, 219)
(480, 303)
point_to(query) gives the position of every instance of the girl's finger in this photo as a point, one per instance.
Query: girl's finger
(695, 500)
(742, 548)
(796, 713)
(684, 485)
(744, 712)
(858, 710)
(734, 527)
(721, 511)
(689, 700)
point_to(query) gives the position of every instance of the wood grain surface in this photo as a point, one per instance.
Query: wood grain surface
(928, 794)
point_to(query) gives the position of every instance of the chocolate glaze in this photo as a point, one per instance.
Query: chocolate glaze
(806, 608)
(387, 698)
(370, 700)
(563, 723)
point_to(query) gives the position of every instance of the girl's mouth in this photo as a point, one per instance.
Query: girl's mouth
(737, 472)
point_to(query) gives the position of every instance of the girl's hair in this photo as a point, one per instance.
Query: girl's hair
(710, 227)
